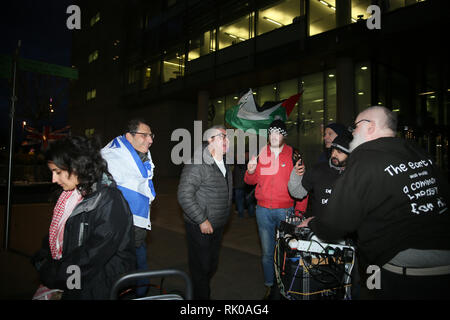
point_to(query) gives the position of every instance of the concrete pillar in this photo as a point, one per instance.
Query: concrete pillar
(345, 88)
(343, 12)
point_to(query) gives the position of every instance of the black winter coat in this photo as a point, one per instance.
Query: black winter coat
(204, 193)
(99, 239)
(394, 196)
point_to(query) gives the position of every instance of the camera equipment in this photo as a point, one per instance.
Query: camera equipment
(307, 267)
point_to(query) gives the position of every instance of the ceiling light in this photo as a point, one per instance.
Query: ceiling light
(273, 21)
(174, 64)
(363, 68)
(331, 75)
(360, 93)
(426, 93)
(231, 35)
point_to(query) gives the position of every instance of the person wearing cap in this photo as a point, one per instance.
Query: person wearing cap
(331, 131)
(270, 173)
(398, 205)
(319, 180)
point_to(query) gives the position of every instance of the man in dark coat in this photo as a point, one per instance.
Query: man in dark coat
(398, 205)
(205, 194)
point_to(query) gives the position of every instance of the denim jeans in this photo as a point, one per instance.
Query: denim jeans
(239, 199)
(242, 200)
(141, 262)
(268, 222)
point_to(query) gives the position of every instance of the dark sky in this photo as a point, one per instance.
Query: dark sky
(41, 25)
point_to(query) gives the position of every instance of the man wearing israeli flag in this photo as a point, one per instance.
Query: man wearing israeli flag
(130, 163)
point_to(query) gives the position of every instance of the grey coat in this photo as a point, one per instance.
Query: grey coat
(204, 193)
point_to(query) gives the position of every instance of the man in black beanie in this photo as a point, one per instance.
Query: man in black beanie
(319, 180)
(330, 132)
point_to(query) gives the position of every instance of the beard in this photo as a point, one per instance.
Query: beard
(337, 163)
(358, 139)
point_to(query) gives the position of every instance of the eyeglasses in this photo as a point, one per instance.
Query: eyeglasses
(146, 135)
(353, 127)
(223, 136)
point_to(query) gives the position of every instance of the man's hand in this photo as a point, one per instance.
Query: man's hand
(299, 168)
(251, 166)
(305, 222)
(206, 227)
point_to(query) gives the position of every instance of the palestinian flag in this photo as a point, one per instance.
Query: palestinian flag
(248, 115)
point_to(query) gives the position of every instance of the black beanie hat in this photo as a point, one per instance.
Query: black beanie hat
(338, 128)
(342, 143)
(278, 125)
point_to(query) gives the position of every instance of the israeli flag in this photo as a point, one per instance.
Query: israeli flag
(133, 178)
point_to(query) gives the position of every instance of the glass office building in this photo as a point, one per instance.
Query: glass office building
(183, 60)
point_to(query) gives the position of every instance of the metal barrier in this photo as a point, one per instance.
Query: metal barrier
(127, 278)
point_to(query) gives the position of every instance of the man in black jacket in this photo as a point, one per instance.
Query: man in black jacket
(205, 194)
(319, 180)
(398, 204)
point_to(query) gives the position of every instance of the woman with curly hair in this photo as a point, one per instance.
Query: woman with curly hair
(91, 240)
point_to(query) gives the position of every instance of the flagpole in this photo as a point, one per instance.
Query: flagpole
(11, 147)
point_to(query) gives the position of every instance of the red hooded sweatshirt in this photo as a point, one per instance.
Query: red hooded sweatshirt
(271, 178)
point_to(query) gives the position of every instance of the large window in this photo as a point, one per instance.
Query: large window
(330, 107)
(266, 93)
(359, 9)
(396, 4)
(287, 89)
(217, 109)
(322, 16)
(204, 44)
(173, 67)
(147, 76)
(362, 86)
(134, 74)
(237, 31)
(278, 15)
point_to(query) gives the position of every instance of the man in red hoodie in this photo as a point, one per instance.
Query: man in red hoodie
(271, 174)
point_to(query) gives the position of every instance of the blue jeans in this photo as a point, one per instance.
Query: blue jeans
(239, 199)
(142, 265)
(268, 222)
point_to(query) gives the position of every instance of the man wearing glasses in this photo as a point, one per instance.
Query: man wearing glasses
(205, 193)
(396, 198)
(130, 163)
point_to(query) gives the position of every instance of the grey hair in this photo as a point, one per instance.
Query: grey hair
(209, 133)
